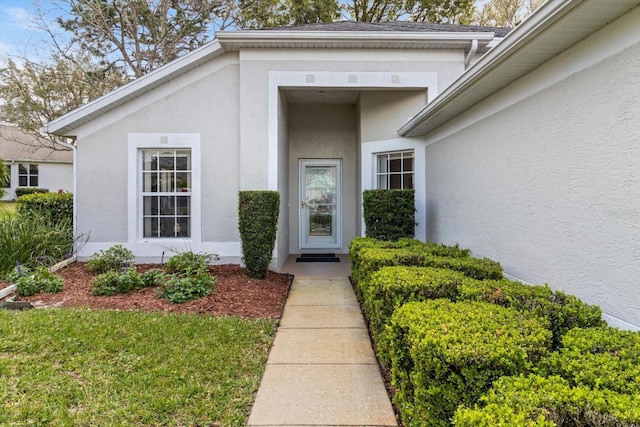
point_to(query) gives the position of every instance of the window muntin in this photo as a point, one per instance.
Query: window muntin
(27, 175)
(395, 170)
(166, 193)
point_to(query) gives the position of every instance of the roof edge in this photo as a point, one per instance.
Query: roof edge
(67, 121)
(548, 14)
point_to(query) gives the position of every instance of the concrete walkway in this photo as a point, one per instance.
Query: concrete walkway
(321, 370)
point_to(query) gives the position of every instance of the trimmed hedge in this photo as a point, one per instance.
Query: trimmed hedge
(563, 311)
(535, 401)
(53, 208)
(389, 214)
(23, 191)
(601, 358)
(391, 287)
(258, 222)
(370, 260)
(444, 354)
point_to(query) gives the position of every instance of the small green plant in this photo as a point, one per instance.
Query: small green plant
(116, 258)
(114, 282)
(188, 263)
(30, 282)
(179, 289)
(258, 222)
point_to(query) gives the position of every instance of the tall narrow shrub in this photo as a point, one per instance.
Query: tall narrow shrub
(258, 222)
(389, 214)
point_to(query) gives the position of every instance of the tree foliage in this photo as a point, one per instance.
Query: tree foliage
(35, 94)
(253, 14)
(505, 13)
(140, 35)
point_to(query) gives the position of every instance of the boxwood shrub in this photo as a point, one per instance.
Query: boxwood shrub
(389, 214)
(601, 358)
(536, 401)
(372, 259)
(258, 222)
(23, 191)
(391, 287)
(563, 311)
(444, 354)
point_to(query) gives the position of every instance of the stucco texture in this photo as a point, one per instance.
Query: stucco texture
(208, 106)
(550, 186)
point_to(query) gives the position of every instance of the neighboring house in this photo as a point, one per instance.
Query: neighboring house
(530, 156)
(33, 163)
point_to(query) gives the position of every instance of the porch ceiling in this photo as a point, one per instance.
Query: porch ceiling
(321, 96)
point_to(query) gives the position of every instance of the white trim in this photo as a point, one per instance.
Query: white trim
(369, 150)
(138, 141)
(304, 241)
(151, 251)
(524, 49)
(335, 80)
(233, 40)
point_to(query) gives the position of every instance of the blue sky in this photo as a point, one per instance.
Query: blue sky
(18, 33)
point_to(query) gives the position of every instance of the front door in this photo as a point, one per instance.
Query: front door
(320, 204)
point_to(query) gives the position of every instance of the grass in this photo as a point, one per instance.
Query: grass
(81, 367)
(9, 207)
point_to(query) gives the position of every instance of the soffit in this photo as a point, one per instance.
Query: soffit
(554, 28)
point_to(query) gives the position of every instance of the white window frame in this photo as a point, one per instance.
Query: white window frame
(137, 143)
(368, 159)
(175, 193)
(27, 166)
(388, 173)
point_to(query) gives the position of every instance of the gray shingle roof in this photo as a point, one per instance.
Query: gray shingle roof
(400, 26)
(19, 146)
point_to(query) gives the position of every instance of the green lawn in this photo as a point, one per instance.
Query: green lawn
(80, 367)
(8, 207)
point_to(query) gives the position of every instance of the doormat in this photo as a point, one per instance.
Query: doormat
(318, 258)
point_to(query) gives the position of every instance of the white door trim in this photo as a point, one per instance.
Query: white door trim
(335, 242)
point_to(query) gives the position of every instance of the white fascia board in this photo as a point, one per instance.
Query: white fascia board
(514, 43)
(66, 124)
(238, 39)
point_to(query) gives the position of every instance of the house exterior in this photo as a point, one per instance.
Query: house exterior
(33, 163)
(533, 156)
(525, 150)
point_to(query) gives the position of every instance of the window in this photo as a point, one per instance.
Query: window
(394, 170)
(27, 175)
(7, 184)
(166, 193)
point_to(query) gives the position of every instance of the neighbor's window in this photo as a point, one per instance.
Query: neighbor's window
(394, 171)
(166, 193)
(27, 175)
(8, 183)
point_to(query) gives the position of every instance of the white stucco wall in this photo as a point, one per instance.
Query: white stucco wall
(544, 176)
(233, 107)
(204, 102)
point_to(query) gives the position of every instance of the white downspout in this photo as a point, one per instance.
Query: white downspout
(471, 54)
(61, 141)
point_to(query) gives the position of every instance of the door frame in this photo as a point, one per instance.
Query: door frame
(303, 241)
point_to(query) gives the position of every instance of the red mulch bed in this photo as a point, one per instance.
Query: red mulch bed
(236, 294)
